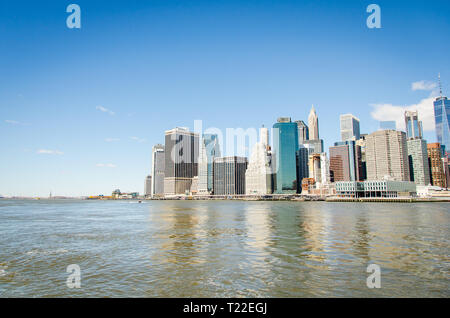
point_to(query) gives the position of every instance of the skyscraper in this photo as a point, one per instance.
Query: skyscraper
(208, 150)
(442, 119)
(345, 161)
(181, 160)
(158, 170)
(302, 158)
(303, 132)
(436, 167)
(229, 175)
(285, 145)
(349, 127)
(313, 123)
(419, 171)
(148, 186)
(386, 155)
(258, 177)
(413, 125)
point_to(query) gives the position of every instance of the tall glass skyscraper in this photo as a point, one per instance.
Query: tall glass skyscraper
(413, 125)
(442, 120)
(208, 150)
(285, 142)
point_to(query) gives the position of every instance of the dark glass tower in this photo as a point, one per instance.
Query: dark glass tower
(285, 142)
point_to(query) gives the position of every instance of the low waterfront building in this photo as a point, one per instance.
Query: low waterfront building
(375, 189)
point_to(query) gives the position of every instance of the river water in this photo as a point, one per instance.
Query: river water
(223, 248)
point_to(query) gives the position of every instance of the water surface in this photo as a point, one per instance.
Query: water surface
(223, 248)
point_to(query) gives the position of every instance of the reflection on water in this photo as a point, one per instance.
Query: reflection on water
(223, 248)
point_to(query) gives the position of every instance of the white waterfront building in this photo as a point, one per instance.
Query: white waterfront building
(258, 177)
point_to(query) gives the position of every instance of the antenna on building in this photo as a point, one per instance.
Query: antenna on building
(440, 84)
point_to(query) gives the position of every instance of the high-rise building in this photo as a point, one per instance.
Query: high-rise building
(386, 155)
(229, 175)
(388, 125)
(413, 125)
(303, 132)
(419, 170)
(302, 158)
(349, 127)
(436, 166)
(442, 119)
(158, 170)
(208, 150)
(315, 172)
(313, 123)
(148, 186)
(258, 177)
(345, 161)
(181, 160)
(324, 169)
(362, 143)
(285, 146)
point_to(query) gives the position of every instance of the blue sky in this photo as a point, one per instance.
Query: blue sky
(81, 109)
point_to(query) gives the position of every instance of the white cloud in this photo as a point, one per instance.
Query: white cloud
(105, 110)
(137, 139)
(397, 113)
(112, 139)
(49, 152)
(423, 86)
(106, 165)
(12, 122)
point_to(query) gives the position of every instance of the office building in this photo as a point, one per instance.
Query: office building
(229, 175)
(158, 170)
(349, 127)
(181, 160)
(285, 146)
(313, 125)
(346, 161)
(418, 161)
(436, 166)
(442, 119)
(388, 125)
(148, 186)
(302, 158)
(303, 131)
(413, 125)
(258, 177)
(386, 155)
(315, 172)
(208, 150)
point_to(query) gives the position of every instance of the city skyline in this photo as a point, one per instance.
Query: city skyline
(81, 109)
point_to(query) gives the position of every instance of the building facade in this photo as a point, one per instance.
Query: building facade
(442, 119)
(148, 186)
(181, 160)
(419, 169)
(208, 150)
(285, 146)
(313, 124)
(302, 158)
(375, 189)
(436, 167)
(386, 155)
(158, 170)
(229, 175)
(413, 125)
(258, 177)
(303, 131)
(349, 127)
